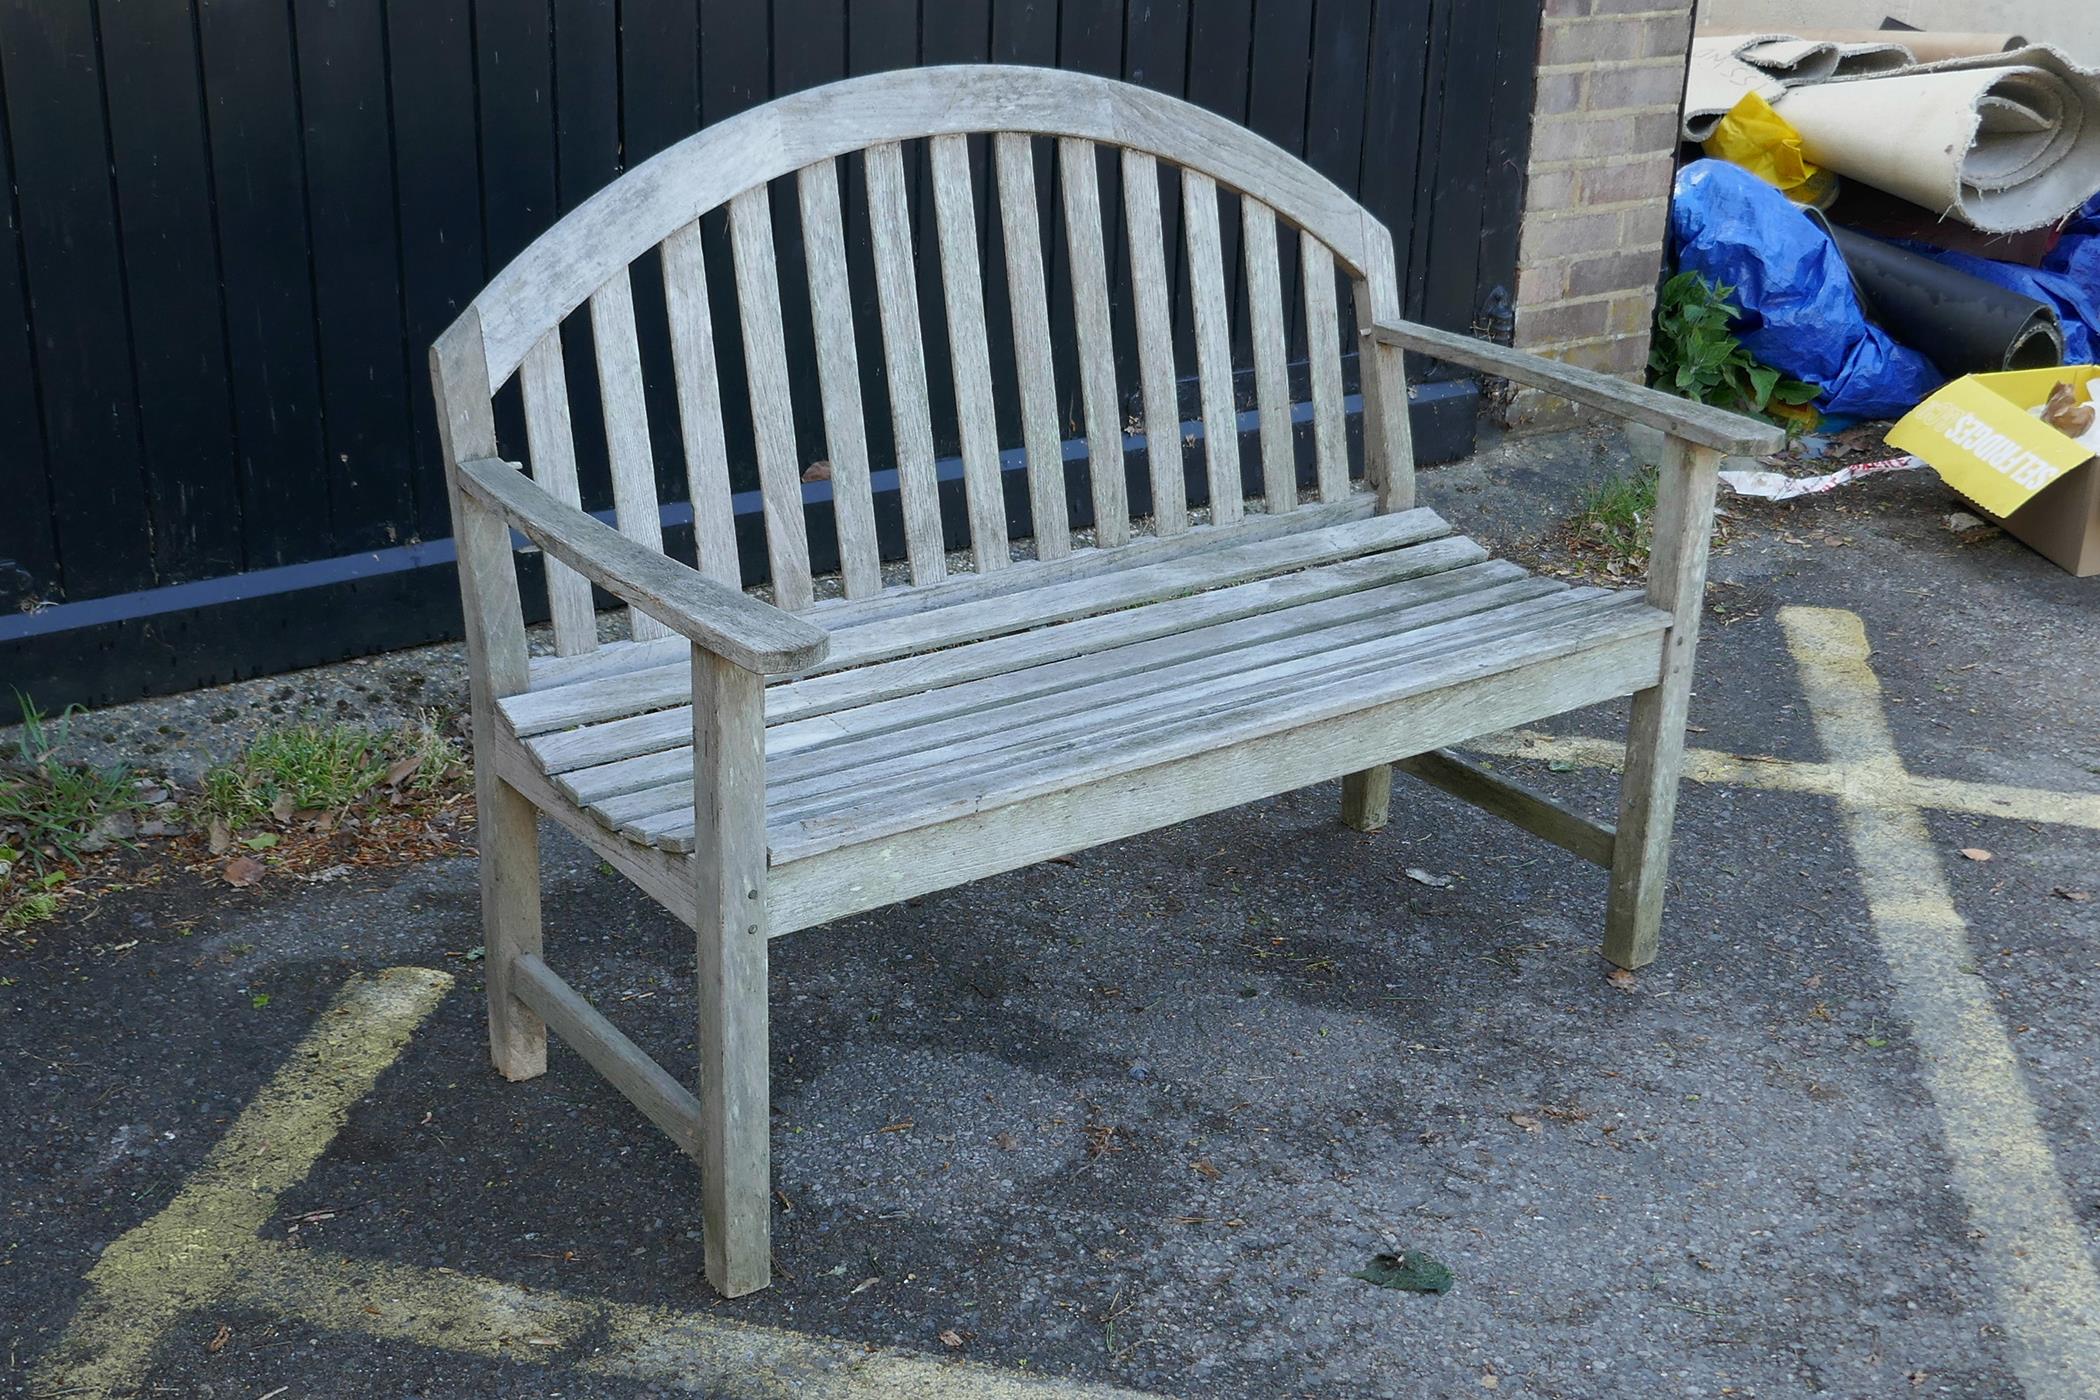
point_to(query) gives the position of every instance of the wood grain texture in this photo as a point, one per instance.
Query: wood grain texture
(1014, 159)
(645, 1083)
(1213, 316)
(1155, 337)
(1080, 181)
(544, 385)
(1367, 797)
(772, 401)
(619, 356)
(904, 362)
(1389, 443)
(962, 292)
(1704, 426)
(1323, 327)
(748, 632)
(730, 878)
(838, 374)
(1266, 330)
(698, 379)
(1513, 802)
(1684, 514)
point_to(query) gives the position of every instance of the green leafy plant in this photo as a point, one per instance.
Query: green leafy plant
(1694, 353)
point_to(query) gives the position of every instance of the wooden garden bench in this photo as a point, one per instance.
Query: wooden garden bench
(763, 766)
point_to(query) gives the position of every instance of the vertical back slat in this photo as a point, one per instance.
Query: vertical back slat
(619, 357)
(1155, 336)
(1014, 156)
(1081, 183)
(1213, 325)
(1323, 338)
(1389, 445)
(838, 372)
(962, 288)
(904, 362)
(772, 407)
(1265, 327)
(699, 383)
(550, 441)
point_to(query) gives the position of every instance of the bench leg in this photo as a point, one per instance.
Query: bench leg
(1684, 510)
(1647, 809)
(1367, 797)
(729, 840)
(510, 915)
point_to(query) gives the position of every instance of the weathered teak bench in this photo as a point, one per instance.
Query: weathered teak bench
(759, 767)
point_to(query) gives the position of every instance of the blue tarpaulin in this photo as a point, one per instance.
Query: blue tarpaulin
(1799, 311)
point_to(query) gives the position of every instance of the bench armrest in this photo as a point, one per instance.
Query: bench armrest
(1707, 426)
(723, 620)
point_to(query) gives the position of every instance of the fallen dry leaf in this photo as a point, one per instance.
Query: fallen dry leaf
(1976, 853)
(1435, 882)
(902, 1125)
(1622, 979)
(863, 1286)
(242, 871)
(1005, 1142)
(1525, 1121)
(950, 1337)
(281, 810)
(219, 1339)
(819, 470)
(1202, 1167)
(220, 837)
(2075, 896)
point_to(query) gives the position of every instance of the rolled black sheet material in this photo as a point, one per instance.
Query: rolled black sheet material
(1960, 322)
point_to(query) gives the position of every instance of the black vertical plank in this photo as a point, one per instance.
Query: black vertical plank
(430, 47)
(881, 35)
(1023, 32)
(1334, 121)
(1199, 52)
(29, 572)
(1089, 40)
(1509, 149)
(1279, 80)
(357, 271)
(959, 32)
(1430, 125)
(735, 73)
(162, 169)
(1393, 140)
(259, 175)
(48, 65)
(1461, 167)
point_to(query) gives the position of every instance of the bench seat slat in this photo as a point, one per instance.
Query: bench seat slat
(1436, 571)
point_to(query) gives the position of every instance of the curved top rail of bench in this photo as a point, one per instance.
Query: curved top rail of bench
(624, 220)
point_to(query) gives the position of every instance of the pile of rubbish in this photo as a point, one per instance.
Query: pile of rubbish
(1895, 209)
(1910, 223)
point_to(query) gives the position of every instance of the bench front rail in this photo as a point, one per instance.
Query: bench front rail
(760, 765)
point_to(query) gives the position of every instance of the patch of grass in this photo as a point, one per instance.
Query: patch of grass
(50, 809)
(330, 768)
(1614, 526)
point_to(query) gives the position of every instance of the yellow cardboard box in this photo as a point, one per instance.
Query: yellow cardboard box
(2043, 487)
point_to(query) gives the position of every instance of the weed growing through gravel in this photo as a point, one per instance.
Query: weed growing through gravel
(1614, 526)
(52, 812)
(311, 768)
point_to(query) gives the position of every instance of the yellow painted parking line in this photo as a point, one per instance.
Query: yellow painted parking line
(203, 1250)
(191, 1252)
(2032, 1248)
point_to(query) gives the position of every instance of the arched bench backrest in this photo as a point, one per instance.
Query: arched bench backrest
(515, 326)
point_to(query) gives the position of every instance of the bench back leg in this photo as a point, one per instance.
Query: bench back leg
(1684, 510)
(729, 861)
(508, 834)
(1367, 797)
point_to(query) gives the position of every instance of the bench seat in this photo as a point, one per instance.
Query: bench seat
(1151, 663)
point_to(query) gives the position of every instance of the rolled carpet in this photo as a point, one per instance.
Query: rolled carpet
(2003, 142)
